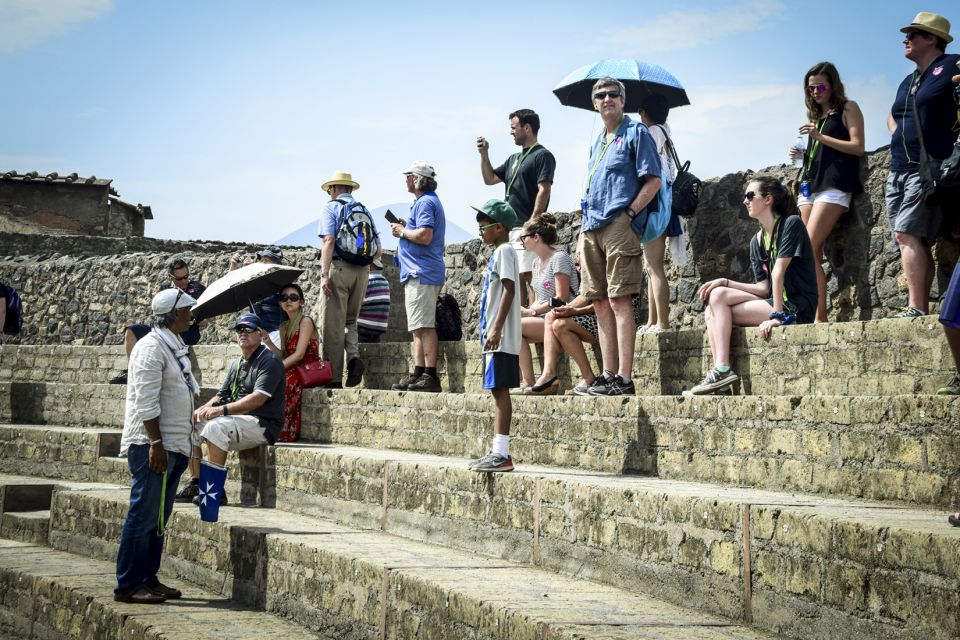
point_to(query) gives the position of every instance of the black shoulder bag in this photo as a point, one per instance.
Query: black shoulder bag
(686, 186)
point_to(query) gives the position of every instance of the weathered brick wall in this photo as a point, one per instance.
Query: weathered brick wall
(74, 208)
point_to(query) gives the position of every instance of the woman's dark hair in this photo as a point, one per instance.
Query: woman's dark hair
(296, 287)
(656, 107)
(837, 95)
(545, 225)
(784, 203)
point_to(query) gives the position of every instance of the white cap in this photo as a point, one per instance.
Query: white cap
(421, 168)
(164, 301)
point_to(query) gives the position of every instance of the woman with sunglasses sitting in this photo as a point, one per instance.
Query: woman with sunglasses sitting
(555, 282)
(299, 344)
(830, 175)
(785, 287)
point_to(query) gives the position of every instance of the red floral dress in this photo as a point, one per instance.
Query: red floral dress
(294, 391)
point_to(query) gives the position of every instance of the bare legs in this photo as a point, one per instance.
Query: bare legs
(820, 218)
(617, 330)
(918, 268)
(425, 347)
(725, 308)
(658, 290)
(531, 331)
(502, 411)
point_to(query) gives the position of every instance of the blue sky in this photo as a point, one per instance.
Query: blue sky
(226, 117)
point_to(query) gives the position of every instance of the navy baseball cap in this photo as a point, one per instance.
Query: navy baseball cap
(251, 320)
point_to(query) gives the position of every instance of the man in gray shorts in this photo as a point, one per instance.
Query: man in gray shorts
(248, 410)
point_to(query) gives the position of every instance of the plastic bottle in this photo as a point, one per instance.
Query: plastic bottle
(800, 145)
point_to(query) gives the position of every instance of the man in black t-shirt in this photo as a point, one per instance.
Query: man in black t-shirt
(930, 93)
(527, 177)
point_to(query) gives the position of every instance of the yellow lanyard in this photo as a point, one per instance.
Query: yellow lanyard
(516, 168)
(602, 152)
(816, 145)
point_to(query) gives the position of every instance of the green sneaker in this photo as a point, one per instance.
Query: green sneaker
(952, 388)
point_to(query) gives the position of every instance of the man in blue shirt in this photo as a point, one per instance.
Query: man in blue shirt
(928, 92)
(343, 283)
(422, 273)
(623, 177)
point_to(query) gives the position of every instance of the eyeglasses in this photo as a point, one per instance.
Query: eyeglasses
(913, 34)
(600, 95)
(288, 297)
(817, 88)
(181, 278)
(484, 227)
(247, 330)
(525, 236)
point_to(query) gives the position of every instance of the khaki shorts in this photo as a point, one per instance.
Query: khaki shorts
(526, 259)
(420, 301)
(234, 433)
(611, 261)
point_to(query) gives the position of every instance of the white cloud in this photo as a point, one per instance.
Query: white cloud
(687, 29)
(25, 23)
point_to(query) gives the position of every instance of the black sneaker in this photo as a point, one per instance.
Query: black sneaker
(121, 378)
(405, 382)
(615, 387)
(600, 381)
(426, 383)
(355, 369)
(715, 380)
(189, 492)
(223, 498)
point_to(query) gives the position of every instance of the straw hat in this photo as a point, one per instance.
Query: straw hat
(340, 177)
(930, 23)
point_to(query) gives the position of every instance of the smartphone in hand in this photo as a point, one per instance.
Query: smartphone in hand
(392, 219)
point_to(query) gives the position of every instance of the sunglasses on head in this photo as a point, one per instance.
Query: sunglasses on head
(816, 88)
(246, 329)
(600, 95)
(288, 297)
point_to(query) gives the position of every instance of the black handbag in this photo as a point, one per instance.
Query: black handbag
(950, 168)
(686, 186)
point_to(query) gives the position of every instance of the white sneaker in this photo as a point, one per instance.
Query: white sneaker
(523, 389)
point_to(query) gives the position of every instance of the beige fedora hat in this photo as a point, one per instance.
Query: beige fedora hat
(340, 177)
(930, 23)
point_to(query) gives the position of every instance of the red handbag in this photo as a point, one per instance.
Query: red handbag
(314, 374)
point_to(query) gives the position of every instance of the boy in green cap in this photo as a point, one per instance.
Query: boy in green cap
(499, 329)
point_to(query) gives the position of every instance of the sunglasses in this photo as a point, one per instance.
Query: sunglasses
(176, 300)
(749, 196)
(817, 88)
(600, 95)
(181, 278)
(288, 297)
(484, 227)
(247, 330)
(913, 34)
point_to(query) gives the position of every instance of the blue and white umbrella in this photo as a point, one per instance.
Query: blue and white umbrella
(640, 79)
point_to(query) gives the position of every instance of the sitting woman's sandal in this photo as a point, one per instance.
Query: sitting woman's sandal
(954, 519)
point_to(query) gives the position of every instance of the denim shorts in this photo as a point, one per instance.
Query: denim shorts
(907, 208)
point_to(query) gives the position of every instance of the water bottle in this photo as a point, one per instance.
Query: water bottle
(800, 145)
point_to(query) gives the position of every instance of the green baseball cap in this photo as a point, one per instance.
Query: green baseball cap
(498, 211)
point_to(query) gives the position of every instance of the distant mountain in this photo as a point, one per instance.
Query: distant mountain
(306, 236)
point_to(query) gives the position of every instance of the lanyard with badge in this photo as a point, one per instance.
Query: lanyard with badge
(516, 168)
(805, 183)
(604, 144)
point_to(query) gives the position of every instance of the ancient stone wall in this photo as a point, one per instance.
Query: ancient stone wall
(83, 290)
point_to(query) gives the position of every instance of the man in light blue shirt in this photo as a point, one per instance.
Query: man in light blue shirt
(623, 177)
(422, 273)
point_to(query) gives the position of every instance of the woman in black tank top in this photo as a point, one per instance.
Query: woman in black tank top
(831, 163)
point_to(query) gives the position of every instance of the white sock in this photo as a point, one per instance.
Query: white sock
(501, 445)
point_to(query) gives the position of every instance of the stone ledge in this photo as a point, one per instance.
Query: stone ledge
(55, 452)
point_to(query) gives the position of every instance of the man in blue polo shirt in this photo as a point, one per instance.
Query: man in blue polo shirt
(928, 92)
(623, 177)
(422, 273)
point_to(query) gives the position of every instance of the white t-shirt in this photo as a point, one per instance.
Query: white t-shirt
(503, 265)
(666, 159)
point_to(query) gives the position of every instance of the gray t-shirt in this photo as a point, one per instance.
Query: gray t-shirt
(262, 373)
(544, 277)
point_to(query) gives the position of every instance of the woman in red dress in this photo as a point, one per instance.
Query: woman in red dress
(299, 344)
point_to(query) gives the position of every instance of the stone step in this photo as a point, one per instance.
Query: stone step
(814, 565)
(53, 594)
(901, 448)
(873, 357)
(69, 453)
(353, 583)
(25, 526)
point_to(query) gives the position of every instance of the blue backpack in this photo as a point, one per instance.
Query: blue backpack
(13, 324)
(357, 240)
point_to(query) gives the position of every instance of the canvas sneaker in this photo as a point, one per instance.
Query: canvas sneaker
(355, 369)
(616, 386)
(405, 382)
(952, 388)
(425, 383)
(189, 492)
(492, 463)
(909, 312)
(715, 380)
(600, 381)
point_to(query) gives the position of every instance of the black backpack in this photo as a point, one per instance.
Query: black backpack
(449, 322)
(13, 324)
(686, 186)
(356, 241)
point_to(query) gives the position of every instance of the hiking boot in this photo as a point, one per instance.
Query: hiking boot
(189, 492)
(715, 380)
(600, 381)
(492, 463)
(355, 369)
(952, 388)
(120, 378)
(910, 312)
(405, 382)
(426, 383)
(614, 387)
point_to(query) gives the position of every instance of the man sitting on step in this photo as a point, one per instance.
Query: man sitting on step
(247, 412)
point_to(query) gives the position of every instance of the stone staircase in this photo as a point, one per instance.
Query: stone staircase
(810, 505)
